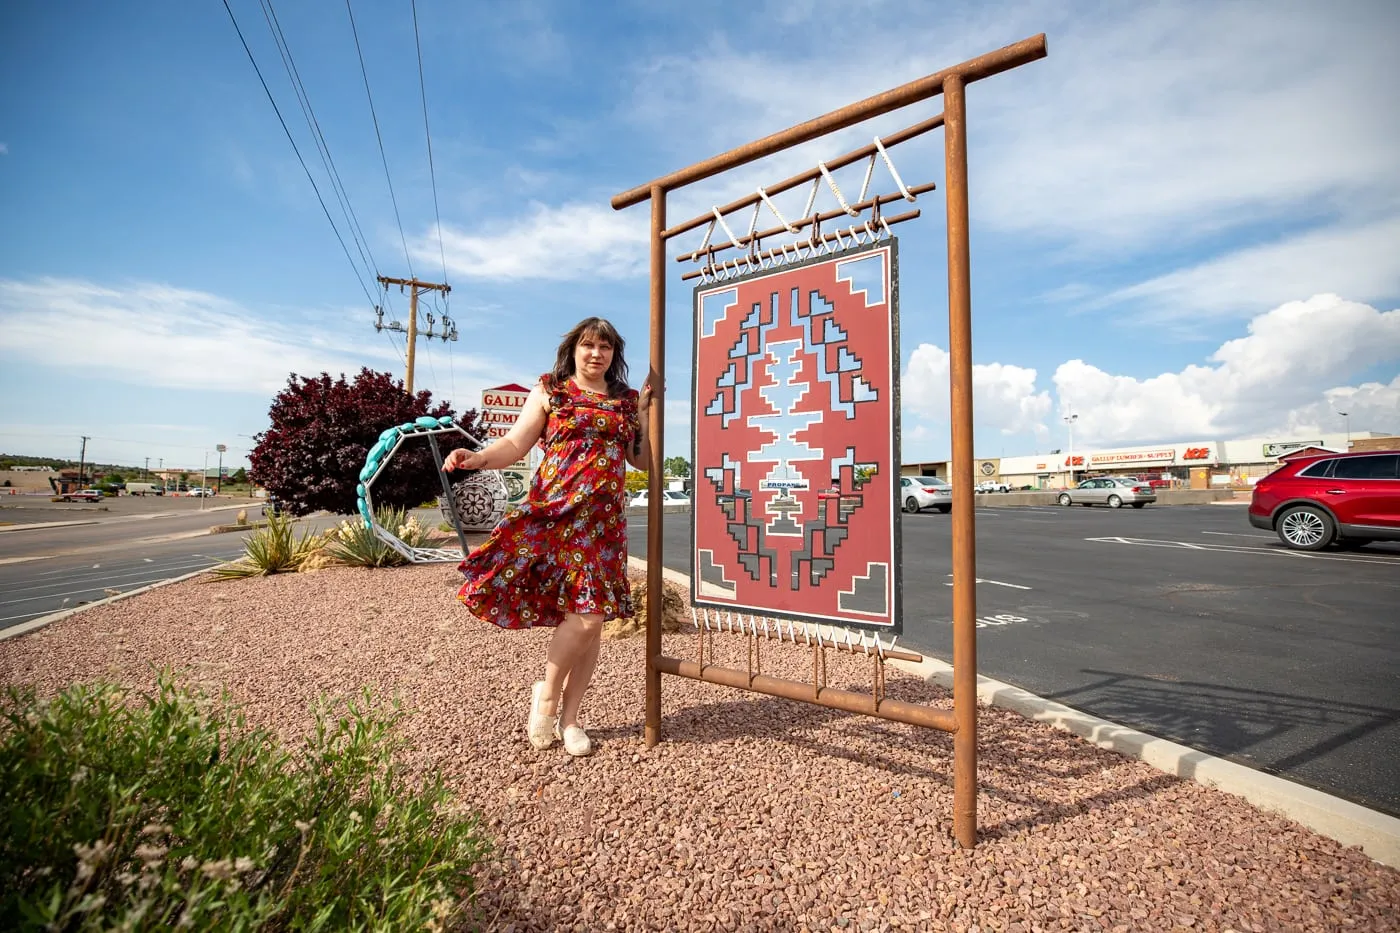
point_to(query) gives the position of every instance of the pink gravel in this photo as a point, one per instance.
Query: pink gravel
(753, 813)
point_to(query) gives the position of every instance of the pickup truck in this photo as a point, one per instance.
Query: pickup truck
(991, 485)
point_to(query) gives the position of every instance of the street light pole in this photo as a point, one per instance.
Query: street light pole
(219, 482)
(1070, 419)
(1346, 419)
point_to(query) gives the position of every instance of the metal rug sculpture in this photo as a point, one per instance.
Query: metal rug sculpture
(796, 426)
(482, 492)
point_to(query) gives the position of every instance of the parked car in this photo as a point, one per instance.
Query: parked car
(668, 497)
(1349, 499)
(199, 491)
(925, 492)
(1112, 491)
(83, 495)
(676, 497)
(991, 485)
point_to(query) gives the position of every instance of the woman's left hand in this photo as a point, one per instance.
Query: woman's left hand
(644, 397)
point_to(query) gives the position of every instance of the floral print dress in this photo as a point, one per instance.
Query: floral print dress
(565, 548)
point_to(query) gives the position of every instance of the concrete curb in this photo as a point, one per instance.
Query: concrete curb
(25, 628)
(1377, 834)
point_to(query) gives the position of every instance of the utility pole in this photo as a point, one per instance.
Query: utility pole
(449, 330)
(81, 458)
(146, 469)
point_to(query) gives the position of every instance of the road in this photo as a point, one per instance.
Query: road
(46, 569)
(1183, 622)
(62, 564)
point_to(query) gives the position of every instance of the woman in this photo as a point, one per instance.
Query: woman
(560, 559)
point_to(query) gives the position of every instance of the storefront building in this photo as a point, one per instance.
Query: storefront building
(1194, 463)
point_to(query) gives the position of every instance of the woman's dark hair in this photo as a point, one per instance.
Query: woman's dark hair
(601, 329)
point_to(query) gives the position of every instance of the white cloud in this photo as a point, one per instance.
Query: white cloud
(1004, 397)
(1293, 371)
(1371, 406)
(1147, 127)
(1293, 357)
(1153, 122)
(571, 241)
(153, 334)
(1362, 261)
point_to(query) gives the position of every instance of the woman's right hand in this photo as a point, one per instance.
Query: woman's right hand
(463, 459)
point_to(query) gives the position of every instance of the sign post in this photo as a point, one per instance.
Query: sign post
(500, 409)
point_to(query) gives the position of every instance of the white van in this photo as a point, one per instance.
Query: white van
(144, 489)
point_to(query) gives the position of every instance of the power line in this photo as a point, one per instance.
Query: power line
(304, 168)
(327, 161)
(432, 174)
(358, 51)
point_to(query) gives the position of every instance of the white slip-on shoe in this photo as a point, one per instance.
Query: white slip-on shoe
(576, 741)
(542, 729)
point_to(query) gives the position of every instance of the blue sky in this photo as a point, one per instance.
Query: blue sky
(1185, 221)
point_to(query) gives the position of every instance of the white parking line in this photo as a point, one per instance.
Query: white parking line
(95, 589)
(1245, 549)
(1014, 586)
(1237, 534)
(81, 577)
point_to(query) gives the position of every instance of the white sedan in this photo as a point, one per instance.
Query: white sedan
(1112, 491)
(925, 492)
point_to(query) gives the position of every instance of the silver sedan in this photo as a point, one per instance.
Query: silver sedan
(1111, 491)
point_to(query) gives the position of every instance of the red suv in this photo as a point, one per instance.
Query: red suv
(1350, 499)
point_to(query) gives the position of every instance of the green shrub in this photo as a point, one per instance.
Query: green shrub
(353, 544)
(275, 548)
(163, 810)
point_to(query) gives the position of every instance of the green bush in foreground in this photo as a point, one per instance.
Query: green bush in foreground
(275, 548)
(163, 810)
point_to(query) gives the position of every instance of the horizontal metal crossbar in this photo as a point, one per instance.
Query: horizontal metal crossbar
(811, 174)
(984, 66)
(915, 714)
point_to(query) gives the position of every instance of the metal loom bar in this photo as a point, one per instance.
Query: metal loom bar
(811, 174)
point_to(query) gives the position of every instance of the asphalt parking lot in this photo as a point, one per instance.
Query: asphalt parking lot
(1183, 622)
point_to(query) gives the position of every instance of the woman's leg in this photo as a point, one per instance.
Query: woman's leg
(579, 677)
(574, 646)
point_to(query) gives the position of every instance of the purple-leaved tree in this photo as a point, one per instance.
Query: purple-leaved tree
(311, 456)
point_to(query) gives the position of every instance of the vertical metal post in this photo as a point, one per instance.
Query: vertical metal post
(448, 494)
(655, 429)
(964, 516)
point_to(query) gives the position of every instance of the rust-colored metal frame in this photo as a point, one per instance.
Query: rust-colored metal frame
(951, 83)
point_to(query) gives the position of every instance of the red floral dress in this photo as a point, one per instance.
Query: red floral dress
(565, 548)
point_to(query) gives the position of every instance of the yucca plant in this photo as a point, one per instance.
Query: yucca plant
(354, 544)
(275, 548)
